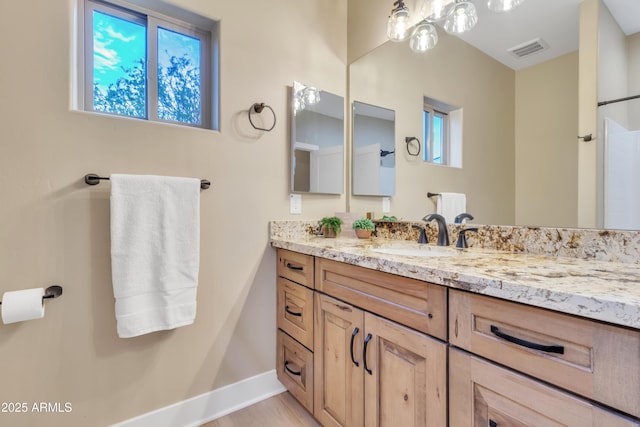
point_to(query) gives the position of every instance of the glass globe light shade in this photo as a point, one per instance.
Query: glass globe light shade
(423, 38)
(503, 5)
(436, 10)
(398, 25)
(298, 104)
(462, 19)
(310, 95)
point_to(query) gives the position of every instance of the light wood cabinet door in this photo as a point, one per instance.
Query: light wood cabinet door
(405, 376)
(338, 394)
(483, 394)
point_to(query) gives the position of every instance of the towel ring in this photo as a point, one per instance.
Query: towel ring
(409, 140)
(257, 108)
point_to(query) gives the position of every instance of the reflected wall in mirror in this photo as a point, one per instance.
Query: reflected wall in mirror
(317, 141)
(618, 138)
(374, 155)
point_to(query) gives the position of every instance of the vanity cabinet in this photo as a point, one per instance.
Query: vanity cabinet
(362, 347)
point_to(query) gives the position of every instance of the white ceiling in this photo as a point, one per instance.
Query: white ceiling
(626, 13)
(554, 21)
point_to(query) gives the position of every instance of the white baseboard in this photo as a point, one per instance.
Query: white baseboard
(212, 405)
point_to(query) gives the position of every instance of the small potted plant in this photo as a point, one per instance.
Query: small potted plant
(331, 226)
(363, 227)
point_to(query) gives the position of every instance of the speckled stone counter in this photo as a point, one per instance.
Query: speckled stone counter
(601, 290)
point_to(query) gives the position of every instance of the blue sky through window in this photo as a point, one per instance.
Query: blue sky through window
(171, 44)
(437, 139)
(117, 44)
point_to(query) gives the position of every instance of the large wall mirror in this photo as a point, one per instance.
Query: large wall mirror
(317, 141)
(374, 156)
(520, 162)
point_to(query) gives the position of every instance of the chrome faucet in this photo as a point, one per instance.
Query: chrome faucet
(443, 233)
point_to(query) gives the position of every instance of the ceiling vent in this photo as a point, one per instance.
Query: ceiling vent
(529, 48)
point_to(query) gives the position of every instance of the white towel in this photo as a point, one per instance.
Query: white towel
(450, 205)
(155, 251)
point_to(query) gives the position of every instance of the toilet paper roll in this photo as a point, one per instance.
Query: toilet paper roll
(26, 304)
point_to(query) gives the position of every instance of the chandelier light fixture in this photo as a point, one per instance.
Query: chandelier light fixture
(455, 16)
(503, 5)
(398, 25)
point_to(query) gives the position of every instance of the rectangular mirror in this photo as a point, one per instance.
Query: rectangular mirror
(317, 141)
(374, 156)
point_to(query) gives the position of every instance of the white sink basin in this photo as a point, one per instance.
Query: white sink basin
(417, 251)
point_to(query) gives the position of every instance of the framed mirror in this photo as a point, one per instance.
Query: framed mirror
(374, 155)
(317, 141)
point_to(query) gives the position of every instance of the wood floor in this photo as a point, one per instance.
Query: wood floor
(278, 411)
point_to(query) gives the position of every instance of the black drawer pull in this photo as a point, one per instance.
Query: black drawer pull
(493, 423)
(294, 267)
(353, 337)
(293, 313)
(286, 363)
(546, 348)
(364, 355)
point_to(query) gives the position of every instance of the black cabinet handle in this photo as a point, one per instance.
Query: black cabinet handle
(364, 355)
(293, 313)
(286, 363)
(546, 348)
(493, 423)
(294, 267)
(353, 337)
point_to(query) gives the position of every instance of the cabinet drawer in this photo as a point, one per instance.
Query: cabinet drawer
(593, 359)
(413, 303)
(483, 394)
(295, 311)
(296, 267)
(294, 367)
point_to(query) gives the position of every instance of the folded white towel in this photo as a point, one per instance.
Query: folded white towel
(450, 205)
(155, 251)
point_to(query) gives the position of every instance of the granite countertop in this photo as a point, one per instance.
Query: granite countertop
(600, 290)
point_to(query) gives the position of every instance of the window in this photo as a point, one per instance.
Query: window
(436, 125)
(442, 125)
(141, 64)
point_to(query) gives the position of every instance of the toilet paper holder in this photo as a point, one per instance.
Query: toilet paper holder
(51, 292)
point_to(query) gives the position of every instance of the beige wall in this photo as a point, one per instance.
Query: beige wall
(587, 113)
(394, 77)
(546, 149)
(55, 229)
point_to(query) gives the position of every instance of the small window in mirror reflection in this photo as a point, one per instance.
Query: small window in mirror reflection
(442, 124)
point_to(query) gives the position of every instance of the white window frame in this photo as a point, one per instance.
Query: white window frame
(206, 31)
(428, 139)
